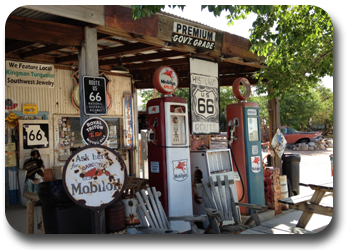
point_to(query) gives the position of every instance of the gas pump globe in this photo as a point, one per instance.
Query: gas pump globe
(243, 133)
(169, 148)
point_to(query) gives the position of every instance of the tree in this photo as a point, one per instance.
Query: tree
(297, 42)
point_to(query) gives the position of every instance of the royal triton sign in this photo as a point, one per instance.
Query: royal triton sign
(193, 36)
(94, 177)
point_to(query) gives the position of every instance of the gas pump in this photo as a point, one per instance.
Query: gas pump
(243, 133)
(168, 148)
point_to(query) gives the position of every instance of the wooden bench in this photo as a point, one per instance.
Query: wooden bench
(302, 203)
(221, 207)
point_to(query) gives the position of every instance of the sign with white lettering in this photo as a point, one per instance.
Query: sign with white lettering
(94, 177)
(193, 36)
(25, 74)
(165, 80)
(204, 94)
(95, 100)
(95, 131)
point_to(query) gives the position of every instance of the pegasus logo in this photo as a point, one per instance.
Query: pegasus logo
(94, 173)
(169, 73)
(181, 166)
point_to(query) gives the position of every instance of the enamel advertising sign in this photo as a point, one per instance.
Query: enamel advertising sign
(95, 131)
(94, 177)
(165, 80)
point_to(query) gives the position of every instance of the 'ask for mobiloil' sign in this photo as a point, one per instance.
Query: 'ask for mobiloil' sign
(189, 35)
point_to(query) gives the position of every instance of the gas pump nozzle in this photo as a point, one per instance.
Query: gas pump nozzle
(152, 130)
(232, 127)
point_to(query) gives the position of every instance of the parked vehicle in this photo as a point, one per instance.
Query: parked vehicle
(293, 136)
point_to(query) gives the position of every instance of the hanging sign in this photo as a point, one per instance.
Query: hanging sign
(204, 94)
(193, 36)
(165, 80)
(129, 138)
(25, 74)
(95, 131)
(95, 95)
(94, 177)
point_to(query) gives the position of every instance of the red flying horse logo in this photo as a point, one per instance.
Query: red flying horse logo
(95, 172)
(256, 160)
(181, 166)
(169, 73)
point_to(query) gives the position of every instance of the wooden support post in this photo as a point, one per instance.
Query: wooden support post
(88, 66)
(30, 217)
(274, 114)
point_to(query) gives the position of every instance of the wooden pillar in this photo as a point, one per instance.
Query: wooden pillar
(274, 115)
(30, 217)
(88, 66)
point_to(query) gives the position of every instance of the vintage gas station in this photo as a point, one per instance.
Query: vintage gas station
(72, 75)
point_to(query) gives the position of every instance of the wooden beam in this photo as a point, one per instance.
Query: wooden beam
(30, 30)
(157, 64)
(143, 57)
(131, 48)
(94, 14)
(13, 46)
(43, 50)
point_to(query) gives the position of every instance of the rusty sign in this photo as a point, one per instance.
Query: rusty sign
(94, 177)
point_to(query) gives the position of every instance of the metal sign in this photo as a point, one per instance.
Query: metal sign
(35, 136)
(204, 94)
(193, 36)
(95, 100)
(165, 80)
(129, 139)
(94, 177)
(95, 131)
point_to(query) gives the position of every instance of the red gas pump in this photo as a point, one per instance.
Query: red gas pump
(169, 148)
(243, 131)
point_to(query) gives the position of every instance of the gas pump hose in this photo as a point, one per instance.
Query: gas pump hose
(239, 173)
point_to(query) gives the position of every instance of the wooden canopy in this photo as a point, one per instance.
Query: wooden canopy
(53, 34)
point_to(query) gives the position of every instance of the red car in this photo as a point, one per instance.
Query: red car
(293, 136)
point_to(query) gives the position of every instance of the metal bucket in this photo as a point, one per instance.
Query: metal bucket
(130, 205)
(115, 217)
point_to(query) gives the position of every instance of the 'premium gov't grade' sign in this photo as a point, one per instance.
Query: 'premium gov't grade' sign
(94, 177)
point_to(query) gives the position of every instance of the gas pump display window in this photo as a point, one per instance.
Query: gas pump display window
(253, 131)
(178, 130)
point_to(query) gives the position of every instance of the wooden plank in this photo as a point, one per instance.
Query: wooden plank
(141, 216)
(120, 17)
(160, 207)
(228, 200)
(150, 209)
(200, 185)
(226, 213)
(236, 217)
(155, 208)
(144, 209)
(87, 13)
(216, 197)
(313, 208)
(306, 216)
(30, 30)
(236, 46)
(30, 217)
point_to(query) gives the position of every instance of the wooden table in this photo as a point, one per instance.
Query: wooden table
(310, 204)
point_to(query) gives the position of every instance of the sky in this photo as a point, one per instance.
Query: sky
(241, 27)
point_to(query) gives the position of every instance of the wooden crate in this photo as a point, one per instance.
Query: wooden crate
(272, 187)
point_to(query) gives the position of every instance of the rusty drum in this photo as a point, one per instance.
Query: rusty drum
(130, 205)
(115, 217)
